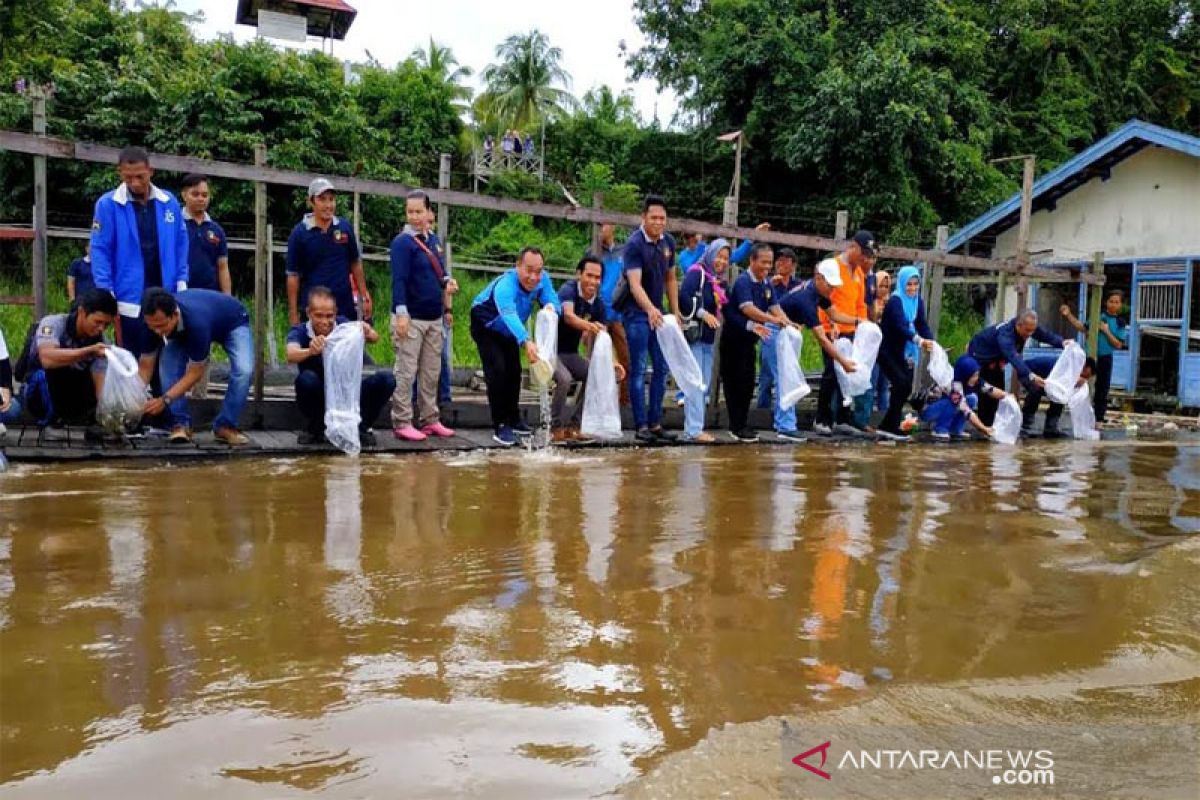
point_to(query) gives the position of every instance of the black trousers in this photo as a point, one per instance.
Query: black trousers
(738, 357)
(501, 359)
(900, 376)
(993, 374)
(72, 393)
(829, 395)
(1104, 368)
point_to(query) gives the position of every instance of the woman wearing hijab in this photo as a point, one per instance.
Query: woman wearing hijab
(905, 333)
(949, 413)
(701, 298)
(883, 293)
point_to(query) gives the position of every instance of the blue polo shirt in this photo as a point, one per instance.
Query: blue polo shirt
(146, 216)
(81, 271)
(759, 294)
(504, 307)
(323, 258)
(206, 246)
(801, 305)
(206, 317)
(653, 260)
(588, 311)
(302, 335)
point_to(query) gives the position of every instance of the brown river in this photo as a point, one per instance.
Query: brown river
(576, 624)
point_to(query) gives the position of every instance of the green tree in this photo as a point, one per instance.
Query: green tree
(440, 62)
(528, 84)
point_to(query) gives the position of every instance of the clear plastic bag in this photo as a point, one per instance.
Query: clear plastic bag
(792, 385)
(940, 371)
(862, 351)
(1083, 416)
(1007, 425)
(679, 356)
(601, 406)
(545, 333)
(123, 394)
(1060, 385)
(343, 358)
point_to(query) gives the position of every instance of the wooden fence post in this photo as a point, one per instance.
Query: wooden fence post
(1095, 294)
(262, 264)
(841, 226)
(598, 204)
(443, 213)
(937, 272)
(40, 250)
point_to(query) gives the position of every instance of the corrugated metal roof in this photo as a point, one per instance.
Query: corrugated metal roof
(326, 18)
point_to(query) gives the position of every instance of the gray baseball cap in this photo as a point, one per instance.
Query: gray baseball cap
(319, 186)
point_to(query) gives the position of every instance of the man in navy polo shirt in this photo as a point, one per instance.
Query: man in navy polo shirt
(649, 265)
(208, 250)
(803, 308)
(305, 343)
(79, 274)
(189, 325)
(783, 280)
(323, 251)
(753, 305)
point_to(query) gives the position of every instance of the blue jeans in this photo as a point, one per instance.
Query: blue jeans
(642, 340)
(239, 346)
(945, 417)
(703, 353)
(767, 379)
(13, 415)
(880, 383)
(768, 372)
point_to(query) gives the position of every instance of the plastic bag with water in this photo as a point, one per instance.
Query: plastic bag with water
(343, 358)
(862, 351)
(123, 395)
(601, 404)
(793, 387)
(679, 356)
(1060, 385)
(1007, 425)
(940, 371)
(545, 336)
(1083, 416)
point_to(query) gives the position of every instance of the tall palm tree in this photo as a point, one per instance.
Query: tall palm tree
(439, 61)
(521, 87)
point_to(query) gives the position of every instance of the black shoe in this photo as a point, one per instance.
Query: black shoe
(663, 435)
(646, 435)
(791, 436)
(521, 429)
(746, 435)
(308, 437)
(366, 438)
(1027, 433)
(1054, 433)
(93, 434)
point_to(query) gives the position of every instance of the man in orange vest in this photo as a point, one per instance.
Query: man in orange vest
(848, 310)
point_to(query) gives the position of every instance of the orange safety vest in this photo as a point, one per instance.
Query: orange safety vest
(849, 298)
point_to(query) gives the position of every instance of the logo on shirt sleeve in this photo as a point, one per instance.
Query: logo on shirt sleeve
(169, 216)
(212, 237)
(47, 330)
(96, 225)
(340, 236)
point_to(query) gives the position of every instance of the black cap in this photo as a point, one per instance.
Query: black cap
(866, 242)
(786, 252)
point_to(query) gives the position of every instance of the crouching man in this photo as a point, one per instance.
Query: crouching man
(66, 363)
(189, 323)
(305, 344)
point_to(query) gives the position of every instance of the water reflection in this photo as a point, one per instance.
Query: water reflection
(589, 612)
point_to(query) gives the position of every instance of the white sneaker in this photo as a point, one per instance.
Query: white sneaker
(822, 429)
(941, 436)
(3, 430)
(964, 435)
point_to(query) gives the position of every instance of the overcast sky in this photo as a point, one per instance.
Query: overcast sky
(589, 34)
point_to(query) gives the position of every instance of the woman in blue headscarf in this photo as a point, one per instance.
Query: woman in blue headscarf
(949, 412)
(905, 332)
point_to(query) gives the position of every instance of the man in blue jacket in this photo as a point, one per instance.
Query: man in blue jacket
(139, 241)
(998, 345)
(498, 317)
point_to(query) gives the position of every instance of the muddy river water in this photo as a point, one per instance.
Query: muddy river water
(579, 624)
